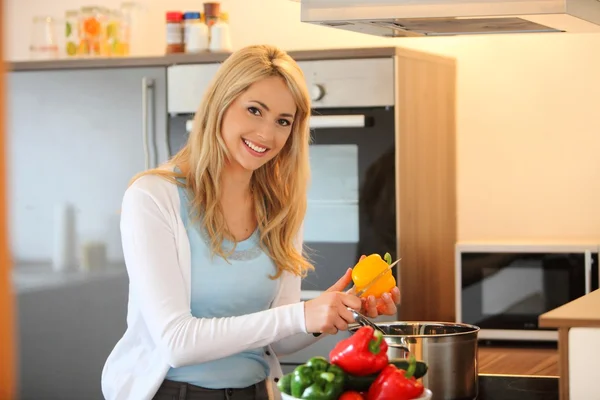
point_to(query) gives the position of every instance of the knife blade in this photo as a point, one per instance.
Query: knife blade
(374, 280)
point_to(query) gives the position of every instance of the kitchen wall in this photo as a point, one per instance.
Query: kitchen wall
(528, 130)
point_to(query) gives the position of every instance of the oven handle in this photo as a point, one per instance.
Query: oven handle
(189, 124)
(322, 121)
(338, 121)
(588, 271)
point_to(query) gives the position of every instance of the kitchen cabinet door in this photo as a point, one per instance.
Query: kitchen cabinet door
(79, 136)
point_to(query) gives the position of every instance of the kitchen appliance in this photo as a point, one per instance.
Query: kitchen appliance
(504, 288)
(449, 350)
(352, 197)
(399, 18)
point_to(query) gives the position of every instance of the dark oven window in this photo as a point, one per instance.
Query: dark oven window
(511, 290)
(351, 201)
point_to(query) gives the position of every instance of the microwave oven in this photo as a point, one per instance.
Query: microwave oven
(504, 288)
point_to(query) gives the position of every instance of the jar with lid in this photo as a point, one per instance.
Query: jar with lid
(212, 11)
(131, 37)
(93, 30)
(113, 46)
(195, 33)
(174, 32)
(71, 33)
(220, 37)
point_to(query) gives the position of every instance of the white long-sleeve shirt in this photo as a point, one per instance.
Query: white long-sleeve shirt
(161, 331)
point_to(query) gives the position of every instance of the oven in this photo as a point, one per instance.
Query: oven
(352, 196)
(351, 201)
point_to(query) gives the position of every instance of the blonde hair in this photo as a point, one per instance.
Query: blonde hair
(279, 187)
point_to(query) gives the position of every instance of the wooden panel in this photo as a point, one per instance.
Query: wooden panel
(518, 361)
(426, 154)
(7, 374)
(563, 366)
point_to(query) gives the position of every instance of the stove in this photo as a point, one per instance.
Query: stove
(517, 387)
(502, 387)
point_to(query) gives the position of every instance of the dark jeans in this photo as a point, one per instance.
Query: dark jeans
(171, 390)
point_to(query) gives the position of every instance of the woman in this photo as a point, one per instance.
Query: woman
(212, 243)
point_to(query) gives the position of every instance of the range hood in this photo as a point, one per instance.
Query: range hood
(400, 18)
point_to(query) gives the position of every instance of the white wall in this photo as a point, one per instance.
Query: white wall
(528, 105)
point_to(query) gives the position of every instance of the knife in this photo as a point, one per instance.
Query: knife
(374, 280)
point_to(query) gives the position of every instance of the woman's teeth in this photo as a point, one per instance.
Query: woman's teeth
(254, 147)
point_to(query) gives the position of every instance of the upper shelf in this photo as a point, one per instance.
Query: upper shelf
(200, 58)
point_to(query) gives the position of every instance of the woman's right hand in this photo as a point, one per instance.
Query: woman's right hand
(329, 312)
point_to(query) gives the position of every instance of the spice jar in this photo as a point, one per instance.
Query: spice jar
(174, 32)
(195, 33)
(211, 13)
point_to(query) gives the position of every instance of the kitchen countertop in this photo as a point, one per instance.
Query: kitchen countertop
(34, 277)
(200, 58)
(582, 312)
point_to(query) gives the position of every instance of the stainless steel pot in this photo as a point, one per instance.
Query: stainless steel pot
(449, 349)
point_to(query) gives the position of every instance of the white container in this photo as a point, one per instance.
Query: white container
(196, 36)
(64, 255)
(220, 37)
(93, 256)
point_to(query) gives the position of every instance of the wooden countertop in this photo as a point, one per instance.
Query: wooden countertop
(582, 312)
(200, 58)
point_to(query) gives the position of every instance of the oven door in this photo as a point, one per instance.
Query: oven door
(351, 201)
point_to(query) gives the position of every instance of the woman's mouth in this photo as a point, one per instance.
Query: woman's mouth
(254, 148)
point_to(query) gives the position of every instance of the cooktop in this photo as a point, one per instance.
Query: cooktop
(517, 387)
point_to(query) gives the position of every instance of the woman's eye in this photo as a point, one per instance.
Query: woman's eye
(254, 110)
(284, 122)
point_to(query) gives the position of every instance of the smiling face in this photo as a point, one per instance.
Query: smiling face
(258, 123)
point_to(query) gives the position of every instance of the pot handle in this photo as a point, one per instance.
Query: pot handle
(403, 345)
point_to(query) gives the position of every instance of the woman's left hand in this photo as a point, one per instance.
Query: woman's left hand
(385, 305)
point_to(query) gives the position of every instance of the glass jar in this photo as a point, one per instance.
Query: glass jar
(71, 33)
(44, 38)
(134, 18)
(174, 32)
(93, 30)
(113, 34)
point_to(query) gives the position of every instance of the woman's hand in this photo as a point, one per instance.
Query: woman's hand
(329, 312)
(385, 305)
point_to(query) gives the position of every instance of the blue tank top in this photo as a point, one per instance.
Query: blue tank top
(226, 289)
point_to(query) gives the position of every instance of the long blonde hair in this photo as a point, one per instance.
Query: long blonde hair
(279, 187)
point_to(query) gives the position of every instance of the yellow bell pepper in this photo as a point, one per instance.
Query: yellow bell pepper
(367, 269)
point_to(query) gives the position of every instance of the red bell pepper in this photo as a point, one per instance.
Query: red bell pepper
(396, 384)
(364, 353)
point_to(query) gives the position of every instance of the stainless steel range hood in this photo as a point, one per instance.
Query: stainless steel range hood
(399, 18)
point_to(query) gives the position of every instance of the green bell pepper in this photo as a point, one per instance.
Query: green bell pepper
(317, 379)
(285, 384)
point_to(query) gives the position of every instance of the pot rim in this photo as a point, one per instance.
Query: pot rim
(472, 329)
